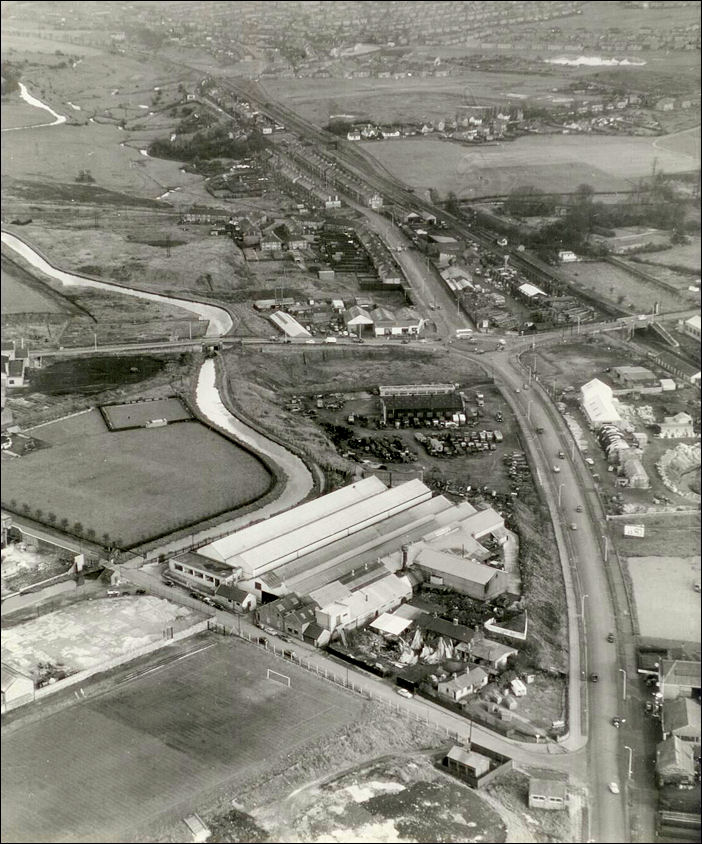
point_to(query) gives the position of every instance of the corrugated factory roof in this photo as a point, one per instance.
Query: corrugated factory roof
(325, 530)
(227, 547)
(442, 563)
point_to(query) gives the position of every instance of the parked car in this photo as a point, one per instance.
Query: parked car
(614, 788)
(579, 508)
(573, 526)
(610, 637)
(589, 461)
(594, 677)
(404, 693)
(556, 469)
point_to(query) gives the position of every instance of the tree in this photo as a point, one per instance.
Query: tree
(452, 205)
(106, 539)
(78, 528)
(90, 533)
(64, 523)
(51, 518)
(38, 513)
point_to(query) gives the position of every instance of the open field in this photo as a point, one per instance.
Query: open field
(138, 414)
(14, 114)
(133, 485)
(91, 632)
(553, 162)
(688, 255)
(687, 142)
(610, 283)
(128, 252)
(21, 294)
(389, 100)
(576, 363)
(663, 532)
(396, 799)
(161, 743)
(666, 604)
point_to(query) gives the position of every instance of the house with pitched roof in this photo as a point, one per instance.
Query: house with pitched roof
(675, 762)
(678, 678)
(681, 718)
(463, 685)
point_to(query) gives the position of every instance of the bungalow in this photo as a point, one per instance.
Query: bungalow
(675, 762)
(462, 685)
(270, 242)
(354, 135)
(234, 598)
(195, 570)
(681, 718)
(486, 651)
(678, 678)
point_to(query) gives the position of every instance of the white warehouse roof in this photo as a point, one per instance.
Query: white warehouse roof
(323, 531)
(236, 543)
(530, 290)
(598, 403)
(440, 561)
(289, 325)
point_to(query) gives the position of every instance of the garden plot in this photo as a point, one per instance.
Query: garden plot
(91, 632)
(667, 606)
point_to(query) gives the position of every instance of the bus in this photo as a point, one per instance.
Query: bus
(463, 332)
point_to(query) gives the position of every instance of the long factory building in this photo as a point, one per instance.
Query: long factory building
(336, 537)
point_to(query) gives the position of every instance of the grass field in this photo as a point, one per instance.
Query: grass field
(553, 162)
(159, 744)
(662, 533)
(133, 485)
(687, 142)
(688, 255)
(131, 415)
(666, 604)
(15, 114)
(18, 297)
(609, 282)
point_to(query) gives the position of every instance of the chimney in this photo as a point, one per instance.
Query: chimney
(405, 557)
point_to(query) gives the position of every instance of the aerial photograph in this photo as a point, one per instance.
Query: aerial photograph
(351, 437)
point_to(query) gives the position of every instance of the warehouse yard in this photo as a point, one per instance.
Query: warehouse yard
(157, 746)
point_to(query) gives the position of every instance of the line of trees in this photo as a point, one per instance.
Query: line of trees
(215, 143)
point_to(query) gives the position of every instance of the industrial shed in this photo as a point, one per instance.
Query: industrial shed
(465, 576)
(288, 325)
(598, 403)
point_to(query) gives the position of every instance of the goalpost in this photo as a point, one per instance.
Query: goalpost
(277, 677)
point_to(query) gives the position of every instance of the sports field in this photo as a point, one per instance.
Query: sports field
(666, 604)
(133, 485)
(139, 413)
(155, 748)
(553, 162)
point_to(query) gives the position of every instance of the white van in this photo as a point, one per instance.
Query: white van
(330, 340)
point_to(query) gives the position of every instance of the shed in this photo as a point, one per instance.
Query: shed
(17, 689)
(548, 793)
(390, 624)
(461, 761)
(235, 598)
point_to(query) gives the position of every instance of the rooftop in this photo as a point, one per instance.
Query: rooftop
(440, 561)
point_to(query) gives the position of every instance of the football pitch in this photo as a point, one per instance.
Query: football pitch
(153, 749)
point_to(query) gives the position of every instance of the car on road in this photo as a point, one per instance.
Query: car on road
(573, 526)
(311, 342)
(589, 461)
(556, 469)
(539, 430)
(618, 722)
(517, 390)
(610, 637)
(404, 693)
(614, 788)
(262, 641)
(502, 241)
(594, 677)
(696, 587)
(579, 508)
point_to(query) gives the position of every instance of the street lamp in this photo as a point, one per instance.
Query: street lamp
(529, 412)
(631, 757)
(623, 671)
(604, 539)
(560, 488)
(582, 604)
